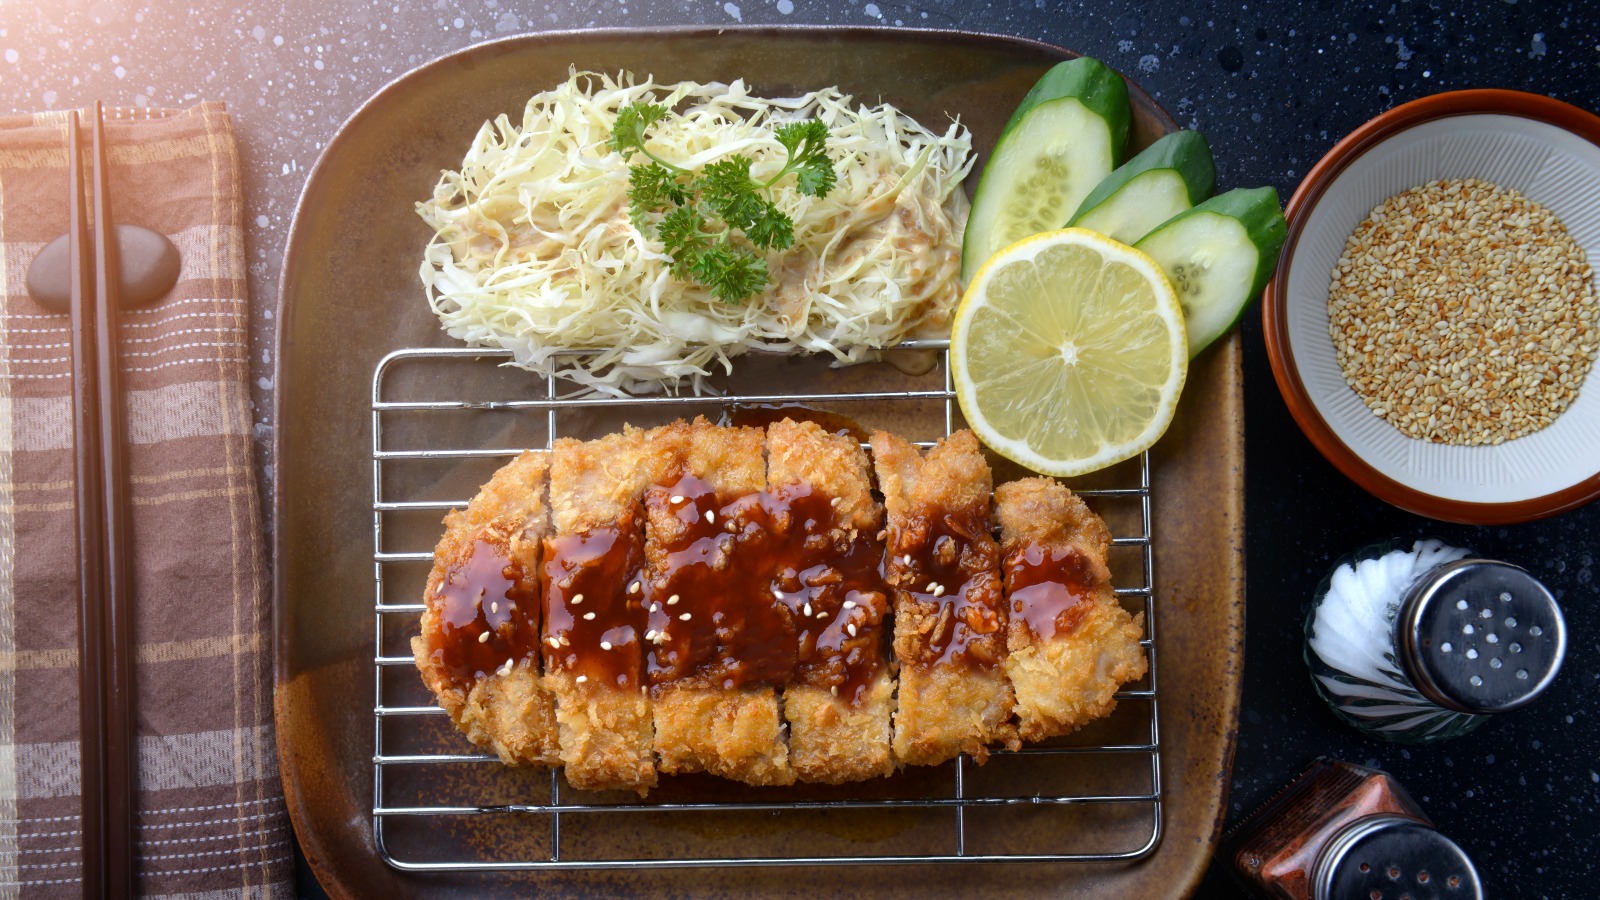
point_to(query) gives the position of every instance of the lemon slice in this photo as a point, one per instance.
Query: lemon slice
(1068, 352)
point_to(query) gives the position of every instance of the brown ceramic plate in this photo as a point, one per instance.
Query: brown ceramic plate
(1507, 137)
(350, 295)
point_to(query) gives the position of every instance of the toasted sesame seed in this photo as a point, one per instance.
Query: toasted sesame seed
(576, 599)
(850, 627)
(835, 690)
(553, 642)
(633, 588)
(684, 617)
(605, 645)
(1463, 313)
(581, 679)
(483, 638)
(673, 600)
(588, 617)
(504, 670)
(836, 501)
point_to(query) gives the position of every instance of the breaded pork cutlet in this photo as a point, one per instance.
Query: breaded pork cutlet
(479, 647)
(1071, 645)
(950, 614)
(841, 699)
(718, 642)
(594, 618)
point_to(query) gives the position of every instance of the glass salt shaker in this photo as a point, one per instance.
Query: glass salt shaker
(1340, 831)
(1423, 643)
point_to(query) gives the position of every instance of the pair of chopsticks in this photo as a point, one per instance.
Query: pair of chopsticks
(105, 595)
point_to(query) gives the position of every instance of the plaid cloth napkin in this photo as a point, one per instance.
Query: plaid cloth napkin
(211, 817)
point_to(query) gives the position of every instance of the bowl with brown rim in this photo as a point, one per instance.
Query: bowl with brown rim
(1545, 149)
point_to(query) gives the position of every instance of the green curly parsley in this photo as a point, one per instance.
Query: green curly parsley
(699, 217)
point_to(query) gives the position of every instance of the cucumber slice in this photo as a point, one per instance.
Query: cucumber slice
(1066, 136)
(1218, 257)
(1165, 179)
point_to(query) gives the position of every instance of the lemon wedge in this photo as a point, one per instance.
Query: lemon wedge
(1068, 352)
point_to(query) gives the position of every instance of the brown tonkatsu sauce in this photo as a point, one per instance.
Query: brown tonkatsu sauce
(592, 615)
(1050, 588)
(753, 592)
(947, 562)
(487, 592)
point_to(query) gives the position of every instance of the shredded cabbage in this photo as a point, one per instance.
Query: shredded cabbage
(533, 249)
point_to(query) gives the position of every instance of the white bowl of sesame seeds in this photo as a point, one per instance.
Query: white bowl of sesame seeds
(1465, 395)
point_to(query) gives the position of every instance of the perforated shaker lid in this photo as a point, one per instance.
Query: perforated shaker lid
(1481, 636)
(1394, 858)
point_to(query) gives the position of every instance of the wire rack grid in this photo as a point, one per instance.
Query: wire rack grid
(962, 799)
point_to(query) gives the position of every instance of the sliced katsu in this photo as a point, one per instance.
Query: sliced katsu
(595, 617)
(717, 599)
(719, 643)
(949, 610)
(479, 647)
(840, 701)
(1071, 645)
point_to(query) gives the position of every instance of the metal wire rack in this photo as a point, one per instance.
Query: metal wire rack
(957, 801)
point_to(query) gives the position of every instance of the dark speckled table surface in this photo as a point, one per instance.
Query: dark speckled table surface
(1273, 85)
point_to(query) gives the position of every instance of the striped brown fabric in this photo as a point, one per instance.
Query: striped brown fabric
(211, 820)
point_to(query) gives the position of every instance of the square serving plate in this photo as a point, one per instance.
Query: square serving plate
(350, 296)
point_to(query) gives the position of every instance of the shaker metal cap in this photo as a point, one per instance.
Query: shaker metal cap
(1394, 857)
(1481, 636)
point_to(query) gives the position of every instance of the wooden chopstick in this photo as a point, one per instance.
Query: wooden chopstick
(108, 776)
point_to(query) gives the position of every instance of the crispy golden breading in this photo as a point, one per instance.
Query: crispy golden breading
(512, 713)
(606, 734)
(949, 634)
(1066, 678)
(701, 725)
(831, 739)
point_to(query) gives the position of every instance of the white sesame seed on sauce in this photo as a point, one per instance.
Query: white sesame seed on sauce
(605, 645)
(673, 600)
(633, 588)
(483, 638)
(906, 559)
(506, 669)
(836, 501)
(849, 604)
(1464, 313)
(711, 517)
(655, 607)
(684, 618)
(650, 635)
(588, 617)
(677, 498)
(494, 607)
(730, 527)
(565, 642)
(851, 627)
(777, 592)
(553, 642)
(581, 679)
(808, 609)
(576, 599)
(938, 589)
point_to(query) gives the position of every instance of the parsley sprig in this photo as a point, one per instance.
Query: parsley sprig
(700, 216)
